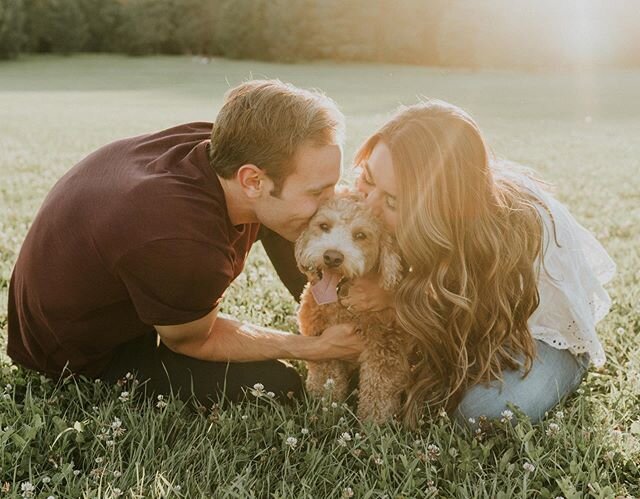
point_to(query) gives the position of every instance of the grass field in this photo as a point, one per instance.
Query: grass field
(80, 439)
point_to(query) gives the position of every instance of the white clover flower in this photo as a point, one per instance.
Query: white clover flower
(258, 390)
(51, 497)
(76, 472)
(304, 431)
(244, 417)
(292, 442)
(177, 488)
(347, 492)
(46, 479)
(560, 415)
(117, 474)
(27, 489)
(334, 405)
(433, 452)
(616, 435)
(124, 396)
(329, 384)
(325, 409)
(507, 415)
(271, 394)
(97, 472)
(128, 376)
(472, 420)
(117, 492)
(116, 427)
(378, 460)
(358, 436)
(528, 467)
(7, 388)
(552, 429)
(343, 439)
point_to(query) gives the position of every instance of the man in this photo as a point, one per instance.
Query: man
(139, 241)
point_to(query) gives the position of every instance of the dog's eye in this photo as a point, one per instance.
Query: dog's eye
(359, 236)
(324, 227)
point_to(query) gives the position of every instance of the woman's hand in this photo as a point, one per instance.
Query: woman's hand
(365, 295)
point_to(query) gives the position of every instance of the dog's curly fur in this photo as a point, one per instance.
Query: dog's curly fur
(345, 225)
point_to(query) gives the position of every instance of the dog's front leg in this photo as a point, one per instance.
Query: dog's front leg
(382, 381)
(329, 377)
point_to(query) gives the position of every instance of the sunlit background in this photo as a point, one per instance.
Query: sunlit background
(550, 34)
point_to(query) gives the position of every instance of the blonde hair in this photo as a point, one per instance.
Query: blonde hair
(264, 122)
(470, 240)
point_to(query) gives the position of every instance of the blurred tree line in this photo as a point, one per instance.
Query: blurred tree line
(472, 33)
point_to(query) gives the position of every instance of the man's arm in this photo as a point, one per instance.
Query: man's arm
(221, 338)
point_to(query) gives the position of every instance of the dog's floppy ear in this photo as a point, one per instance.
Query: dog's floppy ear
(299, 247)
(390, 263)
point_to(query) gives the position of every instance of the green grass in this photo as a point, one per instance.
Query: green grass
(580, 131)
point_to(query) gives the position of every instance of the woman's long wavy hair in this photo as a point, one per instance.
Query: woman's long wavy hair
(470, 240)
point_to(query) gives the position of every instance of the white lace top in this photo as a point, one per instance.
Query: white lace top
(572, 299)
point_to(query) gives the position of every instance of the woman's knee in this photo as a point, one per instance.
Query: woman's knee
(554, 375)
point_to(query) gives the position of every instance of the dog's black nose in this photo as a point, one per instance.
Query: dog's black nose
(333, 258)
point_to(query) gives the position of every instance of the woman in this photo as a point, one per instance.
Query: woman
(503, 287)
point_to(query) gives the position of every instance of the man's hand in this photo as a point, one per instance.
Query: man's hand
(366, 295)
(340, 342)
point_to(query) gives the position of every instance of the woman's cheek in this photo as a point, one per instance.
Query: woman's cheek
(361, 186)
(390, 221)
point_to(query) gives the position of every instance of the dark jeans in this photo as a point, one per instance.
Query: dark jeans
(162, 371)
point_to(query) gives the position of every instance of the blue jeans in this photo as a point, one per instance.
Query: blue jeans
(554, 375)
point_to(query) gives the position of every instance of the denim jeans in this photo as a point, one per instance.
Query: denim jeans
(554, 375)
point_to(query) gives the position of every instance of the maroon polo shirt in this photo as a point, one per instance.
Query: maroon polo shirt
(137, 234)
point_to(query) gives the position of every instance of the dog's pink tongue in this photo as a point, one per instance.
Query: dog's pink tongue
(324, 291)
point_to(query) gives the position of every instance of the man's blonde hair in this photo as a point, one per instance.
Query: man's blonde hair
(264, 122)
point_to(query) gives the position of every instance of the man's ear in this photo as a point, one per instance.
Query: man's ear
(252, 180)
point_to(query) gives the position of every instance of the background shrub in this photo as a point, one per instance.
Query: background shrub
(472, 33)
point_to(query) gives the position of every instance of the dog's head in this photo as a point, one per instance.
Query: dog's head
(344, 240)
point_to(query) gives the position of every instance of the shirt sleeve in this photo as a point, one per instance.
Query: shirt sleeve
(175, 281)
(572, 297)
(282, 256)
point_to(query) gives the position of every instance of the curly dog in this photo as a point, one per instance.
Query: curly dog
(344, 241)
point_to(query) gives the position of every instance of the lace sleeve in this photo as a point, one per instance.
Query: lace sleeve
(572, 297)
